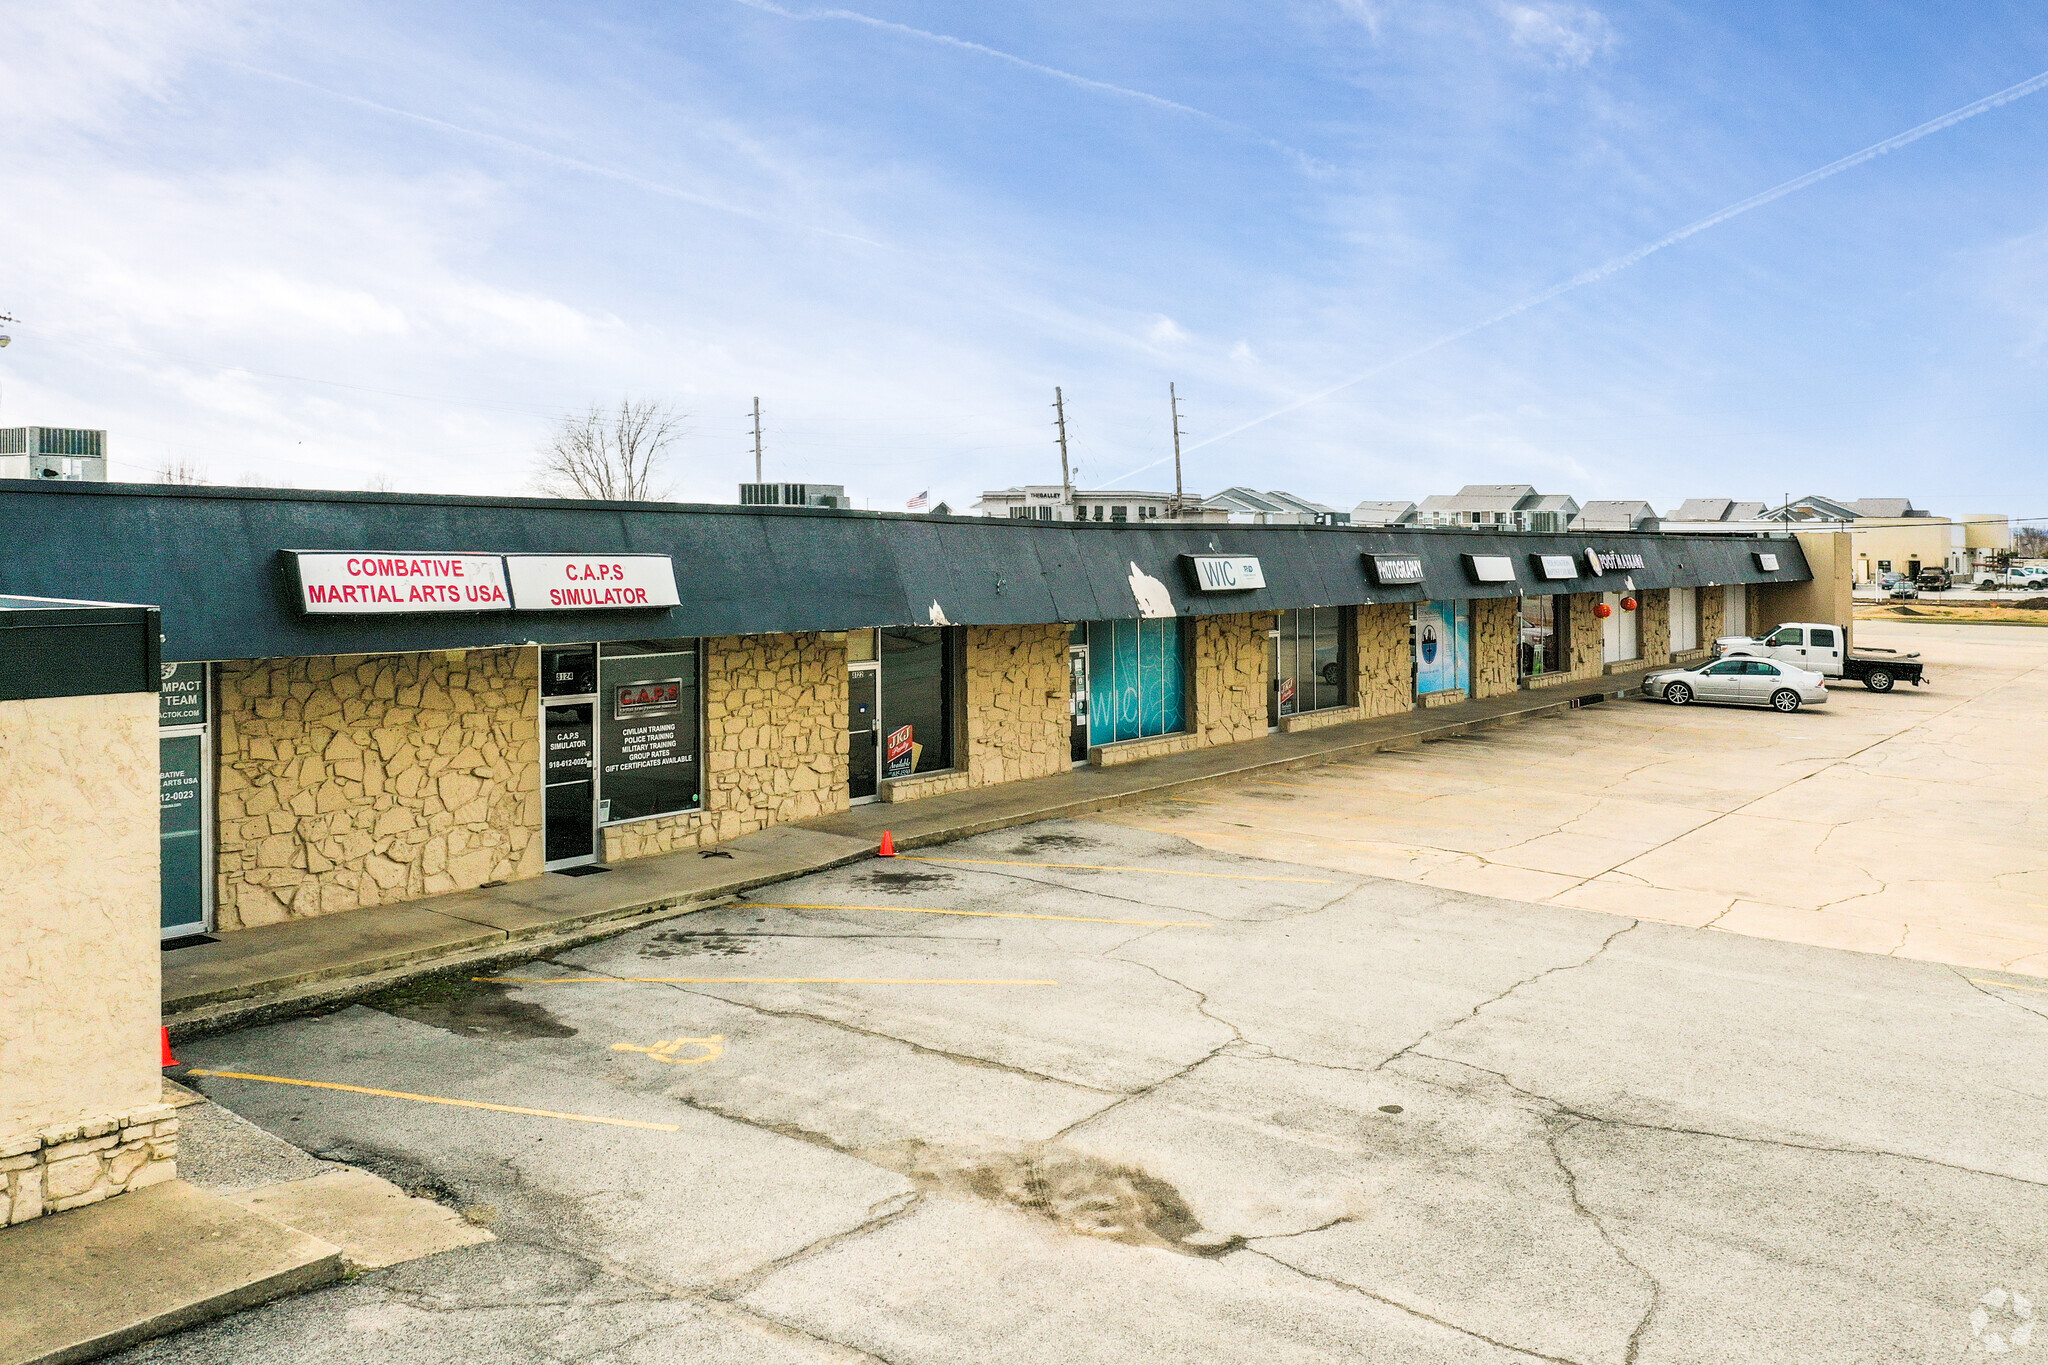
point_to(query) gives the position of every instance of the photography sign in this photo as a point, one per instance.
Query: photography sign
(1394, 571)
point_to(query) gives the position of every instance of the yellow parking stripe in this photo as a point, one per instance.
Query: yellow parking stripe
(1101, 867)
(979, 914)
(439, 1099)
(760, 981)
(2009, 985)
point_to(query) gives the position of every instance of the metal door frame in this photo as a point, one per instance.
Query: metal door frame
(872, 667)
(596, 832)
(204, 733)
(1087, 716)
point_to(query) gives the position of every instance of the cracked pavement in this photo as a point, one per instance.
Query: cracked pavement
(1905, 824)
(1334, 1117)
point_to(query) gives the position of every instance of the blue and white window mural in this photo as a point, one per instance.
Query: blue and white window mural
(1443, 648)
(1135, 681)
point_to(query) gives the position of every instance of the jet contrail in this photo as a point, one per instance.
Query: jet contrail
(1621, 263)
(543, 154)
(1083, 82)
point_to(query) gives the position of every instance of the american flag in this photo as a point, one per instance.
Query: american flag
(922, 500)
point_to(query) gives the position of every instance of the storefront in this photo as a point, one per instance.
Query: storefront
(185, 798)
(1308, 669)
(1136, 678)
(621, 734)
(509, 687)
(899, 698)
(1443, 651)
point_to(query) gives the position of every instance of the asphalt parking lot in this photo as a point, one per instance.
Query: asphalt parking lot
(1083, 1092)
(1908, 823)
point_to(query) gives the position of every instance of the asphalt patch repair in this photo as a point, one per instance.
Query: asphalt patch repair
(1080, 1193)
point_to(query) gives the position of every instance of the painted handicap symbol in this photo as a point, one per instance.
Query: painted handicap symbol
(665, 1050)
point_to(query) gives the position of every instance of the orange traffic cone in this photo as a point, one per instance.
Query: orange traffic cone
(888, 848)
(169, 1060)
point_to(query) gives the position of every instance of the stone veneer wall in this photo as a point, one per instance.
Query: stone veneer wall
(81, 1116)
(1713, 616)
(70, 1166)
(1386, 663)
(1019, 719)
(1654, 630)
(365, 779)
(1495, 639)
(774, 743)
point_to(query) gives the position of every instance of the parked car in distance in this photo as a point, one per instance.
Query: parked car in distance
(1818, 646)
(1903, 590)
(1888, 578)
(1740, 681)
(2027, 577)
(1934, 580)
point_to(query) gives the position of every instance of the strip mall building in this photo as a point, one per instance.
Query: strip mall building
(371, 698)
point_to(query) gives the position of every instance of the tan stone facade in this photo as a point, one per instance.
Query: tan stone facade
(1386, 660)
(77, 1164)
(1713, 617)
(367, 779)
(1019, 723)
(80, 1088)
(1654, 637)
(774, 743)
(1495, 638)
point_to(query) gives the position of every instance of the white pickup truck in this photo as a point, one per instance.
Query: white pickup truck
(2024, 576)
(1817, 647)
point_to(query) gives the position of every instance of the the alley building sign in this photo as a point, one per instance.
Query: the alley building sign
(350, 583)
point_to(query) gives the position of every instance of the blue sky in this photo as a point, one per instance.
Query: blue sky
(338, 246)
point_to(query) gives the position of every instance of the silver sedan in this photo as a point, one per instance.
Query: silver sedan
(1742, 682)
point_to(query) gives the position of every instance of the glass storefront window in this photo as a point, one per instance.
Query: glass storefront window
(917, 700)
(1136, 684)
(1307, 664)
(1540, 628)
(648, 761)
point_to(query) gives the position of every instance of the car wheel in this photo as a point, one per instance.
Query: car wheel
(1877, 680)
(1786, 700)
(1678, 694)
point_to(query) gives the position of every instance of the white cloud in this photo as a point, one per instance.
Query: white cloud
(1242, 354)
(1562, 33)
(1165, 332)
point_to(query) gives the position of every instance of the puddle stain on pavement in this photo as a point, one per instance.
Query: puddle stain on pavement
(469, 1009)
(1081, 1193)
(906, 880)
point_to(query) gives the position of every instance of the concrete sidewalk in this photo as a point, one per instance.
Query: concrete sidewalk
(300, 965)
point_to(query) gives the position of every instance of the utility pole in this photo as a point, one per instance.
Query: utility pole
(1173, 397)
(757, 440)
(1059, 403)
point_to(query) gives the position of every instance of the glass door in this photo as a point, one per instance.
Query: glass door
(568, 684)
(184, 800)
(863, 731)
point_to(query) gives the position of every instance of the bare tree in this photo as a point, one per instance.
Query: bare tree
(613, 456)
(182, 471)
